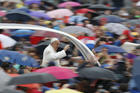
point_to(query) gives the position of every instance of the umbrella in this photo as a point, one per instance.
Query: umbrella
(69, 3)
(7, 41)
(14, 1)
(77, 19)
(77, 30)
(58, 72)
(100, 7)
(24, 9)
(111, 49)
(34, 85)
(39, 14)
(18, 16)
(116, 28)
(135, 71)
(4, 79)
(29, 2)
(111, 18)
(63, 91)
(11, 91)
(18, 58)
(134, 22)
(32, 78)
(128, 46)
(84, 10)
(22, 33)
(59, 13)
(2, 13)
(97, 73)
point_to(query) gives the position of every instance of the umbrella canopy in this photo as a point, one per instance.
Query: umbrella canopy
(58, 72)
(7, 41)
(4, 79)
(63, 91)
(39, 14)
(84, 10)
(59, 13)
(111, 18)
(18, 58)
(100, 7)
(18, 16)
(77, 30)
(22, 33)
(14, 1)
(24, 9)
(2, 13)
(69, 3)
(134, 22)
(34, 85)
(77, 19)
(111, 49)
(128, 46)
(135, 71)
(97, 73)
(29, 2)
(116, 28)
(32, 78)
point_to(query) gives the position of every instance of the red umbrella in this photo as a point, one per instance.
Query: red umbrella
(84, 10)
(58, 72)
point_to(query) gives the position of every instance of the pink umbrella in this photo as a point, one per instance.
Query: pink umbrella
(60, 13)
(58, 72)
(69, 3)
(2, 13)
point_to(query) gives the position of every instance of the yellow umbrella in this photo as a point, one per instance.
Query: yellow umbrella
(63, 91)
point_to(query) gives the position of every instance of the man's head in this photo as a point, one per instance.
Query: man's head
(55, 43)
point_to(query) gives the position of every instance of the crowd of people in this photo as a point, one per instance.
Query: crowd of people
(107, 34)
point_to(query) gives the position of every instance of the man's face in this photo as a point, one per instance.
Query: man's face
(55, 44)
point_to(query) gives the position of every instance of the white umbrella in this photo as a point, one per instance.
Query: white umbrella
(60, 13)
(7, 41)
(116, 28)
(77, 30)
(128, 46)
(14, 1)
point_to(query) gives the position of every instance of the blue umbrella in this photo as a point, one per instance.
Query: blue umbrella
(111, 18)
(77, 19)
(18, 15)
(29, 2)
(18, 58)
(111, 49)
(39, 14)
(24, 9)
(22, 33)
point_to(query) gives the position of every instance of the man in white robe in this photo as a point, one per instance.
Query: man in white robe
(50, 53)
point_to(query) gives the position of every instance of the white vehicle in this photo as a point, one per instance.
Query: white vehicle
(86, 52)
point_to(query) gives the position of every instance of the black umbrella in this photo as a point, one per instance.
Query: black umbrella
(32, 78)
(18, 16)
(97, 73)
(100, 7)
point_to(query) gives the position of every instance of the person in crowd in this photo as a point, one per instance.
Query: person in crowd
(51, 55)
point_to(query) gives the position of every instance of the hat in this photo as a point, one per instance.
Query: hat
(54, 39)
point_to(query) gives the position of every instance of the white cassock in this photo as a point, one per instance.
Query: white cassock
(50, 55)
